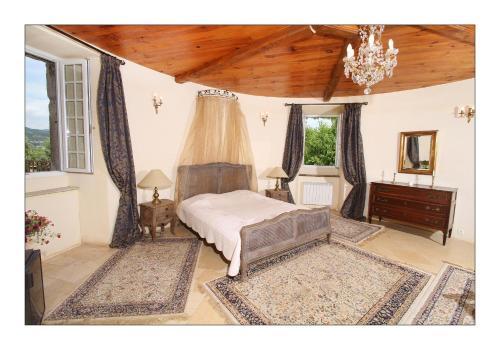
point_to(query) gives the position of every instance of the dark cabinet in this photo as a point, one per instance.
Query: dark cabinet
(432, 207)
(33, 288)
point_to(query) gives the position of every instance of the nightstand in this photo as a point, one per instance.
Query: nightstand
(154, 215)
(281, 195)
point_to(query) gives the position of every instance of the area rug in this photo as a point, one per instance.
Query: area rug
(450, 299)
(147, 278)
(351, 230)
(321, 283)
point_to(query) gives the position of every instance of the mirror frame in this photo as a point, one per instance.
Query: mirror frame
(432, 160)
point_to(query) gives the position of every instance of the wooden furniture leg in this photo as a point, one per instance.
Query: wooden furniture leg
(153, 229)
(244, 271)
(172, 225)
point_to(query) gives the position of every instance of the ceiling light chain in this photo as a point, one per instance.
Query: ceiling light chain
(370, 66)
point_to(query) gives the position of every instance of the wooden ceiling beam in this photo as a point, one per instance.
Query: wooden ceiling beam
(461, 33)
(342, 32)
(281, 37)
(337, 71)
(350, 35)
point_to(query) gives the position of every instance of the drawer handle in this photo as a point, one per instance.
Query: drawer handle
(433, 209)
(433, 221)
(384, 200)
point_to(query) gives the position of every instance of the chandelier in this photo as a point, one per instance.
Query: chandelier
(369, 67)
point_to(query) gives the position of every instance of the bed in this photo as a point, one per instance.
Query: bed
(215, 201)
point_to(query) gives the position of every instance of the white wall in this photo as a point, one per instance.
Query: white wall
(426, 109)
(62, 209)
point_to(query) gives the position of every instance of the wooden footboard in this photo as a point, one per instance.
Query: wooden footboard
(283, 232)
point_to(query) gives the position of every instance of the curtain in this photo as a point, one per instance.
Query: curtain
(412, 150)
(294, 148)
(218, 133)
(117, 150)
(353, 162)
(51, 76)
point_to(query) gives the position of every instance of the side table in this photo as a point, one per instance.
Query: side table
(154, 215)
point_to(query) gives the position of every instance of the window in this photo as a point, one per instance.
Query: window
(57, 130)
(320, 141)
(75, 123)
(41, 131)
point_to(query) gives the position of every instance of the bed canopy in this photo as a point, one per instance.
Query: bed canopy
(218, 133)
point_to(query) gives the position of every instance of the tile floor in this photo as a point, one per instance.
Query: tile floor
(412, 246)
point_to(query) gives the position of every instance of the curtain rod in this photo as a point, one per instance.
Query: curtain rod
(122, 62)
(323, 104)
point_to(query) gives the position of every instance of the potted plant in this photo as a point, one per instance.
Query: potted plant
(37, 228)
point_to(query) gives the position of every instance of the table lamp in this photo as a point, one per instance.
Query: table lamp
(155, 179)
(277, 173)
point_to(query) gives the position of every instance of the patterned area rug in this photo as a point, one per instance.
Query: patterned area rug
(145, 279)
(319, 283)
(351, 230)
(451, 299)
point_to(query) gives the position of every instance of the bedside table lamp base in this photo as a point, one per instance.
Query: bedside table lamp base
(277, 187)
(277, 173)
(156, 197)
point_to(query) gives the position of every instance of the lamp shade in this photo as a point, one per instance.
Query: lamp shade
(277, 172)
(155, 178)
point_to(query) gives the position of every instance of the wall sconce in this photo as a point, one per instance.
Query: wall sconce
(157, 102)
(263, 117)
(465, 112)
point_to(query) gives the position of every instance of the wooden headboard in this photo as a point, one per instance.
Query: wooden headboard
(212, 178)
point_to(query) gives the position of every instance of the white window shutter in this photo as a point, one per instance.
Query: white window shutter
(76, 142)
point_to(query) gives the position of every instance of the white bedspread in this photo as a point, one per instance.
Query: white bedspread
(219, 218)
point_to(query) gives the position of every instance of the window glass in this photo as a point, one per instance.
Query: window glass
(41, 130)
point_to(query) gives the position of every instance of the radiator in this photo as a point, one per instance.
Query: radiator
(318, 193)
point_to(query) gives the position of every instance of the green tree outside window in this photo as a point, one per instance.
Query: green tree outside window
(320, 141)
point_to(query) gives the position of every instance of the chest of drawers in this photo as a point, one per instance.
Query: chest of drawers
(432, 207)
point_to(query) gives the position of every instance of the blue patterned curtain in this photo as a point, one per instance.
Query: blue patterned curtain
(294, 148)
(353, 162)
(117, 150)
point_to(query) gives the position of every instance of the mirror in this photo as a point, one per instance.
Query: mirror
(417, 152)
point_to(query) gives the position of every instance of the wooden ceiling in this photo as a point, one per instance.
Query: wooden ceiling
(287, 61)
